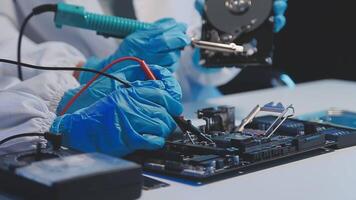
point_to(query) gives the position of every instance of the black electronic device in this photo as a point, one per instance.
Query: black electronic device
(222, 148)
(247, 23)
(59, 174)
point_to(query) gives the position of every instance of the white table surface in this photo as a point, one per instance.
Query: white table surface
(329, 176)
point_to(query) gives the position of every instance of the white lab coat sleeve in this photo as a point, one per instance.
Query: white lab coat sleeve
(30, 105)
(57, 54)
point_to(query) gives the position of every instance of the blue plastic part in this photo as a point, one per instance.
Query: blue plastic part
(288, 81)
(334, 117)
(76, 16)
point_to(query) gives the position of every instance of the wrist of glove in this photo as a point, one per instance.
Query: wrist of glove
(91, 63)
(201, 69)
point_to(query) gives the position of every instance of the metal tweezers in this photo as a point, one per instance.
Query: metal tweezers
(270, 107)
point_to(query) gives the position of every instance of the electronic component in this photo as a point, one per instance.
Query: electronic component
(342, 137)
(306, 142)
(150, 183)
(65, 174)
(245, 23)
(284, 113)
(254, 144)
(218, 119)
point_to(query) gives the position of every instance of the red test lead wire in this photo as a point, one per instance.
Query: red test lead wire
(142, 63)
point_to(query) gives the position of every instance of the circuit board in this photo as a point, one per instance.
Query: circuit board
(257, 143)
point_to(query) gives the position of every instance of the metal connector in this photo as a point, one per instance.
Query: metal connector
(284, 113)
(214, 46)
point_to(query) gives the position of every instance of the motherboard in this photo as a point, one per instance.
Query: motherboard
(220, 147)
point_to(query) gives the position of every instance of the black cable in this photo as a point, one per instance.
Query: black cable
(20, 135)
(35, 11)
(65, 69)
(54, 139)
(19, 42)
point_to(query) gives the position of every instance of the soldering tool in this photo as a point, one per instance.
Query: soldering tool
(107, 26)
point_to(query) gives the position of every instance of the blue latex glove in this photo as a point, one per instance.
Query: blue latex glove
(279, 8)
(105, 86)
(124, 120)
(160, 44)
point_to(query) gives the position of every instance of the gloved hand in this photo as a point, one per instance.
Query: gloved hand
(160, 44)
(125, 120)
(279, 8)
(104, 86)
